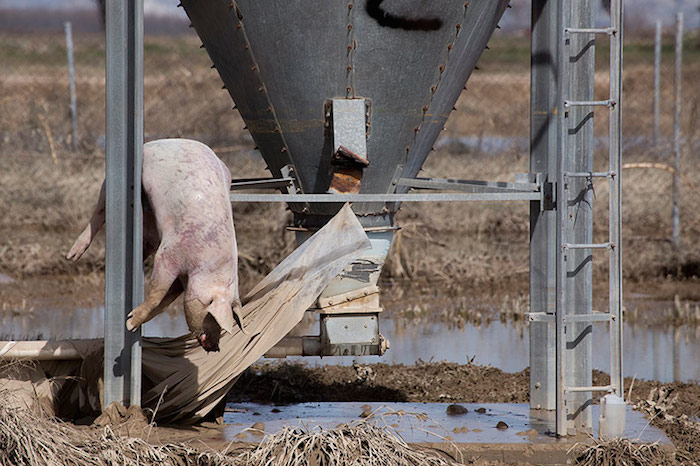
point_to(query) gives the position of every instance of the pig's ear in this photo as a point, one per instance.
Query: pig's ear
(222, 315)
(236, 307)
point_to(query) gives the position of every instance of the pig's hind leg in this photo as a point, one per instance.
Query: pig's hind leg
(162, 289)
(96, 221)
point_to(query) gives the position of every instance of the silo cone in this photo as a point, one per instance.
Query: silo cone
(377, 77)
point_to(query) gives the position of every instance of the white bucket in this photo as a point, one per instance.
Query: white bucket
(611, 423)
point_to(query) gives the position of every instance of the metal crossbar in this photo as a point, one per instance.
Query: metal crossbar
(590, 103)
(565, 317)
(608, 31)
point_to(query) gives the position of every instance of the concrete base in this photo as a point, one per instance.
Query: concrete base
(528, 436)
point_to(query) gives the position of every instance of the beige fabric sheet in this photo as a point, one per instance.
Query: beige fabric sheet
(193, 381)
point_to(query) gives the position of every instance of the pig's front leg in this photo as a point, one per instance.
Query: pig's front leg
(96, 221)
(161, 290)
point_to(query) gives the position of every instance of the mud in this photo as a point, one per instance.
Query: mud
(281, 384)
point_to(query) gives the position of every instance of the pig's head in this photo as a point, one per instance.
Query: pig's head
(206, 320)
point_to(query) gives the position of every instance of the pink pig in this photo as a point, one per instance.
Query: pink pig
(188, 222)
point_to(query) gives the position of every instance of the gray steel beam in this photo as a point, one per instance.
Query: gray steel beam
(577, 135)
(411, 197)
(473, 186)
(544, 98)
(124, 152)
(615, 201)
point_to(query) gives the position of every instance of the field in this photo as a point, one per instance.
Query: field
(49, 183)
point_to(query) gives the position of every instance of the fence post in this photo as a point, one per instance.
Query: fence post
(676, 210)
(657, 79)
(544, 139)
(71, 78)
(124, 152)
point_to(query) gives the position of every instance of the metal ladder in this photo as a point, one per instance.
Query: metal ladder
(566, 247)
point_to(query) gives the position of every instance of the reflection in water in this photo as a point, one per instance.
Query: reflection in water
(655, 353)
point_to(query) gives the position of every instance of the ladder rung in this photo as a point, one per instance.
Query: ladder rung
(590, 174)
(608, 31)
(593, 317)
(607, 245)
(600, 388)
(540, 317)
(589, 103)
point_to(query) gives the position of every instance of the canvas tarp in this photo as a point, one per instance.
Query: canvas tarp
(191, 381)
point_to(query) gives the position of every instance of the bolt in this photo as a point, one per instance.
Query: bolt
(349, 27)
(238, 26)
(261, 88)
(441, 68)
(350, 5)
(537, 385)
(349, 68)
(253, 68)
(449, 47)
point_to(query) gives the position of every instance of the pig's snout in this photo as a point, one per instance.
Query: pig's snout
(207, 343)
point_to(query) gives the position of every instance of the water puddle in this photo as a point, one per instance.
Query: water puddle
(653, 353)
(419, 422)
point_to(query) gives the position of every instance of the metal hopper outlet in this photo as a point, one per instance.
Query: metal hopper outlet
(344, 98)
(285, 61)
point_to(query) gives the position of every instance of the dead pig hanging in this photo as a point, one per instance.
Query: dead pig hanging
(188, 224)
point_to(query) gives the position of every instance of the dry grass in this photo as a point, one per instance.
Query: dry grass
(623, 452)
(31, 439)
(356, 444)
(34, 440)
(47, 190)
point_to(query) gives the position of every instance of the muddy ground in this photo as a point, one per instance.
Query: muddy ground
(444, 382)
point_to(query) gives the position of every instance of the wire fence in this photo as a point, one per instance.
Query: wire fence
(53, 158)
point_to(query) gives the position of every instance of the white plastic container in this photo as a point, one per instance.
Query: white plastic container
(611, 423)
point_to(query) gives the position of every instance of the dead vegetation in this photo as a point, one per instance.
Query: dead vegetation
(29, 438)
(47, 190)
(623, 452)
(359, 443)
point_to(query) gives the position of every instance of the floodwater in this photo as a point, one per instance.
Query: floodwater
(652, 353)
(421, 422)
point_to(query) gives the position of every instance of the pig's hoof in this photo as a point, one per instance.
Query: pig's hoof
(131, 325)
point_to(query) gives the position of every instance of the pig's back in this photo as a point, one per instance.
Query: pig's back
(188, 189)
